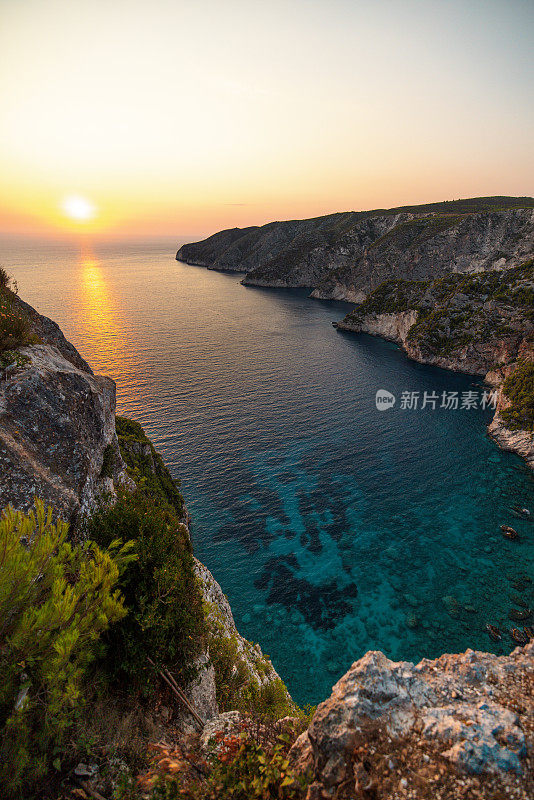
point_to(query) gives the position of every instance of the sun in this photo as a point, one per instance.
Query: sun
(78, 208)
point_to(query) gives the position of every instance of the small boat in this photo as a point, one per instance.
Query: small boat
(494, 632)
(529, 633)
(509, 532)
(522, 513)
(518, 636)
(520, 614)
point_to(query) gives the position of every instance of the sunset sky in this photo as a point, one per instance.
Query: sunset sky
(138, 117)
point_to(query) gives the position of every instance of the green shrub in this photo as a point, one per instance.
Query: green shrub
(55, 601)
(166, 620)
(4, 279)
(519, 389)
(108, 462)
(145, 466)
(15, 326)
(245, 770)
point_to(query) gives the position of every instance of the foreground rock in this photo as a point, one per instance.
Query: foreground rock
(403, 730)
(344, 256)
(57, 426)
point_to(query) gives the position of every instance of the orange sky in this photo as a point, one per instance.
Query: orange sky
(181, 118)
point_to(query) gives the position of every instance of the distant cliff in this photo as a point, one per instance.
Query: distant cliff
(344, 256)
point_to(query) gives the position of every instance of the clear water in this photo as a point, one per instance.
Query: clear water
(333, 528)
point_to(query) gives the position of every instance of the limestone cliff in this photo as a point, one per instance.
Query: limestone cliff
(57, 426)
(344, 256)
(480, 325)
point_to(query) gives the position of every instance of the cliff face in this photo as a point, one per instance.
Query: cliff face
(344, 256)
(482, 325)
(58, 442)
(57, 426)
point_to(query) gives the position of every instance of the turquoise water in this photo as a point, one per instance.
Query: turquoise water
(332, 527)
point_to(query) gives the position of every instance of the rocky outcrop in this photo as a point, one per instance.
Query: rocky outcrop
(344, 256)
(393, 727)
(394, 327)
(57, 428)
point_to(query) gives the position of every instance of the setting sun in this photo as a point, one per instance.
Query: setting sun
(78, 208)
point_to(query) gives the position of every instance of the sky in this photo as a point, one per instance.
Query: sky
(167, 117)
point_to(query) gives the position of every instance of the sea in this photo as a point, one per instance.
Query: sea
(335, 525)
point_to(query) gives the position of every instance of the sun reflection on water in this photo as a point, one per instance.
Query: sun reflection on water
(102, 324)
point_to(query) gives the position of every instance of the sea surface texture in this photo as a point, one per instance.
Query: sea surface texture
(334, 528)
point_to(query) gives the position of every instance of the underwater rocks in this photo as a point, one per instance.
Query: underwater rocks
(321, 605)
(470, 711)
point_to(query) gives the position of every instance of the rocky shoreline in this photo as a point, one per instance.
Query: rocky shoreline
(480, 325)
(345, 256)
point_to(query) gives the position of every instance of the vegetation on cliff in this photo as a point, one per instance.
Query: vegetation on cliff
(117, 607)
(519, 391)
(165, 620)
(457, 310)
(56, 599)
(15, 326)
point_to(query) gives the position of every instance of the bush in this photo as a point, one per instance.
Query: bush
(145, 466)
(166, 620)
(55, 601)
(4, 279)
(243, 769)
(15, 326)
(519, 389)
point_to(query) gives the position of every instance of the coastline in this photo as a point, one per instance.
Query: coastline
(395, 328)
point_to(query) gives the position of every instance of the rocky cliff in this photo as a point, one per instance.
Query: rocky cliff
(57, 425)
(480, 324)
(344, 256)
(459, 726)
